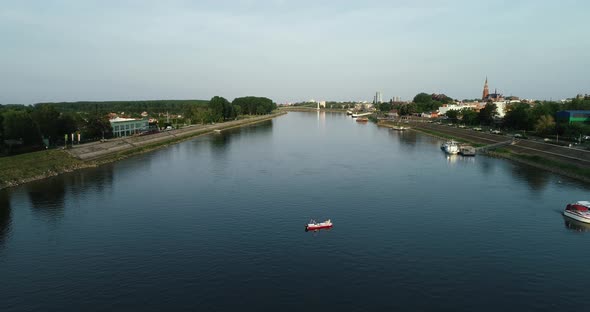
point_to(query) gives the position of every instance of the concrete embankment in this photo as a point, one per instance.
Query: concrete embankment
(98, 150)
(572, 162)
(20, 169)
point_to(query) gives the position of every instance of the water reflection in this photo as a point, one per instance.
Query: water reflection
(537, 179)
(453, 159)
(407, 137)
(47, 197)
(220, 140)
(5, 217)
(575, 225)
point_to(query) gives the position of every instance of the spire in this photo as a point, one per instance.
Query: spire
(486, 91)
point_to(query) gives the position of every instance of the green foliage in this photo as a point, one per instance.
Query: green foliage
(578, 103)
(46, 118)
(237, 110)
(96, 126)
(545, 125)
(384, 107)
(469, 116)
(18, 125)
(453, 115)
(407, 109)
(255, 105)
(217, 106)
(544, 108)
(488, 113)
(518, 116)
(422, 98)
(129, 107)
(425, 102)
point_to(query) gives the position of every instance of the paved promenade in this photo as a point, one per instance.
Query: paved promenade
(96, 150)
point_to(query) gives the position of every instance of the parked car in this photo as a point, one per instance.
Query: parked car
(586, 137)
(496, 131)
(518, 135)
(476, 129)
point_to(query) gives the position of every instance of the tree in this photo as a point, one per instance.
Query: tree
(18, 125)
(422, 98)
(97, 126)
(407, 109)
(518, 116)
(237, 110)
(217, 106)
(66, 124)
(545, 125)
(468, 116)
(453, 115)
(250, 105)
(46, 118)
(385, 106)
(488, 113)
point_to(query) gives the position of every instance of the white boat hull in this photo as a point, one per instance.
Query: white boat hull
(577, 216)
(450, 148)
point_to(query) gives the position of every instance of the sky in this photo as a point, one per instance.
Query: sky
(290, 51)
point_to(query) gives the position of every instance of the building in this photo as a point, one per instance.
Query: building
(447, 107)
(377, 98)
(364, 106)
(573, 116)
(493, 97)
(128, 126)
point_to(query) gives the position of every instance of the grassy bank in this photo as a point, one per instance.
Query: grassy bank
(19, 169)
(544, 163)
(537, 161)
(448, 137)
(24, 168)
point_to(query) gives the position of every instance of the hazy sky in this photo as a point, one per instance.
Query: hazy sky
(291, 50)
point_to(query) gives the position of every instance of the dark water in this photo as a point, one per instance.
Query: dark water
(217, 224)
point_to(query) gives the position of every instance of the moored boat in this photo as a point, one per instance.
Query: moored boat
(399, 128)
(450, 147)
(362, 119)
(578, 211)
(467, 150)
(312, 225)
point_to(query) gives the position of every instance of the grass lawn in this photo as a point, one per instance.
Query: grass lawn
(27, 166)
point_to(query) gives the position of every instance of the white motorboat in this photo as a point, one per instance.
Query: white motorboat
(450, 147)
(313, 225)
(578, 211)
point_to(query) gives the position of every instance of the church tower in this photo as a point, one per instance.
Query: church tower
(486, 91)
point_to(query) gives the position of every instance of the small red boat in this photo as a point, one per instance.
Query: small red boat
(579, 211)
(312, 225)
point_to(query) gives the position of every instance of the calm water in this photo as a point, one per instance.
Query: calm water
(217, 224)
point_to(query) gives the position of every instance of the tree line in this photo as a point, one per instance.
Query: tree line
(220, 109)
(538, 116)
(26, 128)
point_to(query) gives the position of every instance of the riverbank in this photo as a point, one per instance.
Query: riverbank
(24, 168)
(565, 161)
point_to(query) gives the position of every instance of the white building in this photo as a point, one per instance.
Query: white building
(447, 107)
(128, 126)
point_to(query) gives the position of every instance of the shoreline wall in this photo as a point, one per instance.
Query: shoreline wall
(21, 169)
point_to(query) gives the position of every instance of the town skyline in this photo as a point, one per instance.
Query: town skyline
(291, 51)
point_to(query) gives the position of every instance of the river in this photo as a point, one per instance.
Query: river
(217, 224)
